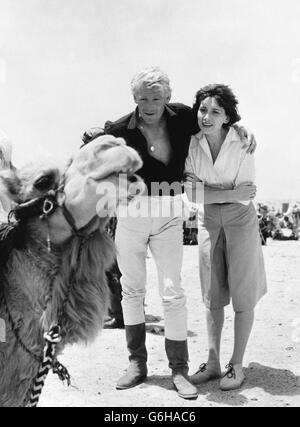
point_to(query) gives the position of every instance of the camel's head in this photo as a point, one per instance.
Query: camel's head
(101, 176)
(98, 178)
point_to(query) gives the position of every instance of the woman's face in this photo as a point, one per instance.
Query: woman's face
(211, 117)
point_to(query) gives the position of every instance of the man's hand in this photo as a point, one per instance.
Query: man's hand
(91, 134)
(247, 137)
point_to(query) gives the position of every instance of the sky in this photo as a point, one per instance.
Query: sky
(66, 65)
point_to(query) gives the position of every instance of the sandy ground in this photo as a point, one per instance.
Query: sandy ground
(272, 362)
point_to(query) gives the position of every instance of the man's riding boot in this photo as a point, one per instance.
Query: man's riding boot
(137, 371)
(177, 353)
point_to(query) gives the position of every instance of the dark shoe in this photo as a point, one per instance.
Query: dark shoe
(113, 323)
(136, 344)
(135, 375)
(184, 388)
(178, 356)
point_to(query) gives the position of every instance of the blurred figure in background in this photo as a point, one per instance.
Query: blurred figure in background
(5, 151)
(265, 224)
(115, 318)
(5, 163)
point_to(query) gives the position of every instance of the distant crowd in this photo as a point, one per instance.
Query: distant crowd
(281, 224)
(277, 224)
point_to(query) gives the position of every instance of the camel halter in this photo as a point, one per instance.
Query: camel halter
(43, 207)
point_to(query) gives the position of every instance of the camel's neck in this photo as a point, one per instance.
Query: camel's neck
(69, 286)
(29, 270)
(29, 276)
(21, 307)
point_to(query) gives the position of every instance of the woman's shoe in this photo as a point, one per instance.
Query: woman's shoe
(233, 378)
(206, 372)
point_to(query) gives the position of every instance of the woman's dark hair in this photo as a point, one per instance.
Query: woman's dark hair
(224, 97)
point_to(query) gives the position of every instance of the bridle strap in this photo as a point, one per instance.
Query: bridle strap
(70, 219)
(34, 207)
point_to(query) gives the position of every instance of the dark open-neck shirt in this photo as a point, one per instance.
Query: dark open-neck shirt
(180, 127)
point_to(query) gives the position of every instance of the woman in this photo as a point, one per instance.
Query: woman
(230, 254)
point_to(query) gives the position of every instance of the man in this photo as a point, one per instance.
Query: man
(161, 133)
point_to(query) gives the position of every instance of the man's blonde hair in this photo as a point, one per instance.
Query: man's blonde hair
(150, 77)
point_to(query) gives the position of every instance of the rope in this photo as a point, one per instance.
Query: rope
(52, 338)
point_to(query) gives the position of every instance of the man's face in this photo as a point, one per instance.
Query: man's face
(151, 103)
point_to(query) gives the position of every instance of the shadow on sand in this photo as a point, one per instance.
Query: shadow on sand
(277, 382)
(162, 381)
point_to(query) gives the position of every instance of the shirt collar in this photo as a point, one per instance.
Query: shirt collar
(134, 120)
(232, 136)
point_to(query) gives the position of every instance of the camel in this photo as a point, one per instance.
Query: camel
(54, 253)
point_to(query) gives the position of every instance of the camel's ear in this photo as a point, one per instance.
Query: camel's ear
(9, 187)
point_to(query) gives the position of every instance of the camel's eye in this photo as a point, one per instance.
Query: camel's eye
(45, 182)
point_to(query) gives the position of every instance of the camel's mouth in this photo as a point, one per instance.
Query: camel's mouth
(101, 176)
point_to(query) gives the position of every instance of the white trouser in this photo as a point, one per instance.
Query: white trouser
(164, 236)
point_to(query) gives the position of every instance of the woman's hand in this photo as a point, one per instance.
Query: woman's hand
(245, 192)
(190, 177)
